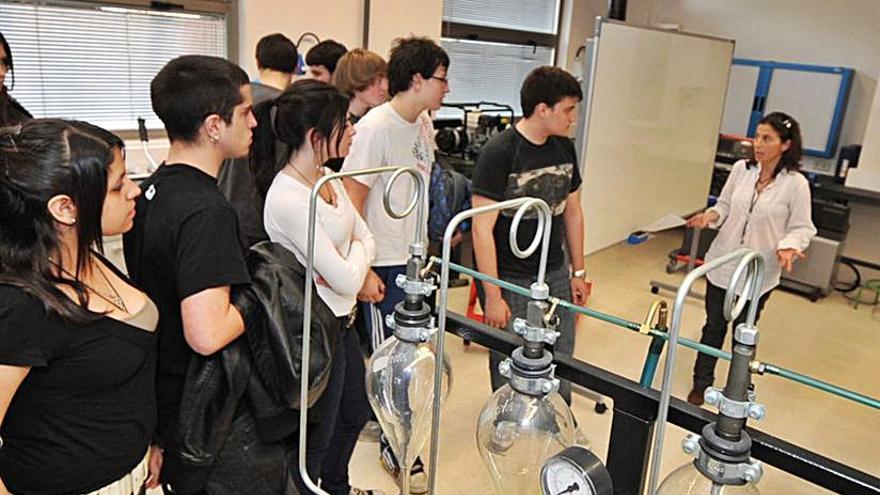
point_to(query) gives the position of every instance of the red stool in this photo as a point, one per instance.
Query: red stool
(472, 303)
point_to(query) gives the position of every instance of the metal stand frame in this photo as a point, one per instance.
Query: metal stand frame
(539, 290)
(635, 415)
(417, 248)
(750, 268)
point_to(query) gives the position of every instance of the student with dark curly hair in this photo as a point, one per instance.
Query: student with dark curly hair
(400, 133)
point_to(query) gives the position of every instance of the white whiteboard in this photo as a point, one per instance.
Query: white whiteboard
(651, 129)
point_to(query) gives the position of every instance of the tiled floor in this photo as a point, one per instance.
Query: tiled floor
(827, 340)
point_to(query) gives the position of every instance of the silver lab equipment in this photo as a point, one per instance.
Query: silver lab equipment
(723, 463)
(399, 384)
(526, 421)
(416, 247)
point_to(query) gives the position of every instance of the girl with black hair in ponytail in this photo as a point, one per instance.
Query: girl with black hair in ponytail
(297, 134)
(765, 205)
(78, 348)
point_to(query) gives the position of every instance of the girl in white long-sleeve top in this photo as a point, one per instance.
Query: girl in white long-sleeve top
(765, 205)
(297, 134)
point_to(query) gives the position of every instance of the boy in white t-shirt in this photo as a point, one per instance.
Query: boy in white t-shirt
(396, 133)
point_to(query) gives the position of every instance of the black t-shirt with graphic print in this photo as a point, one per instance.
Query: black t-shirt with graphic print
(510, 166)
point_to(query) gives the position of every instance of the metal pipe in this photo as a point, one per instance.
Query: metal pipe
(751, 267)
(739, 376)
(543, 231)
(649, 369)
(665, 389)
(767, 368)
(658, 311)
(309, 281)
(820, 385)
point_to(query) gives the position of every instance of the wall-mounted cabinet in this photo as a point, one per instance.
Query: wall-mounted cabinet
(814, 95)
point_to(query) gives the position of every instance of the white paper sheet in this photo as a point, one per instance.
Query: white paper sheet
(670, 221)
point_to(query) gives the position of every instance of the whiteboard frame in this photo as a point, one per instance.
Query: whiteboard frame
(588, 87)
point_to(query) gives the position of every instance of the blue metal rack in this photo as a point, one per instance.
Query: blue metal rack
(762, 90)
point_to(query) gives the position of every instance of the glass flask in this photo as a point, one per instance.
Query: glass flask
(400, 383)
(687, 480)
(517, 433)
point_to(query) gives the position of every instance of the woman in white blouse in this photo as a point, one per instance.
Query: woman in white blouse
(765, 205)
(308, 121)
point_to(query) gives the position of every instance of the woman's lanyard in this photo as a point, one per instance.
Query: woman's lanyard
(755, 196)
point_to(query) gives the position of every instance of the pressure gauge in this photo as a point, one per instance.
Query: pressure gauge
(575, 471)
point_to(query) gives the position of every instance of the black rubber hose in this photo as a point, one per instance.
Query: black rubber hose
(843, 286)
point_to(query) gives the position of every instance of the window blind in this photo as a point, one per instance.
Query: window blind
(95, 63)
(540, 16)
(483, 71)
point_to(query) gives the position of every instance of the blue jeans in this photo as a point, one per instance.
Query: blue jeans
(371, 316)
(343, 410)
(351, 415)
(560, 286)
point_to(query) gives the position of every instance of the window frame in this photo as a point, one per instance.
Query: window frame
(458, 30)
(471, 32)
(229, 10)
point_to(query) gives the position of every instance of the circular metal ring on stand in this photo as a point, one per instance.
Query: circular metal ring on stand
(733, 304)
(386, 198)
(514, 230)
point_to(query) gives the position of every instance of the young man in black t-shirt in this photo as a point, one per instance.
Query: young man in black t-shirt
(184, 249)
(534, 158)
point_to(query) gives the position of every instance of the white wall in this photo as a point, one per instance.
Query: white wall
(822, 32)
(579, 27)
(341, 20)
(390, 19)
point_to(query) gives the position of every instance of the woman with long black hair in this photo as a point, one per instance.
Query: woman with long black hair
(310, 119)
(11, 111)
(77, 363)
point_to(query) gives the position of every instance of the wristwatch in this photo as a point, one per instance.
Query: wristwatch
(582, 274)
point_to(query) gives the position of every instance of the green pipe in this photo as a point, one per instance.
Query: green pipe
(614, 320)
(711, 351)
(702, 348)
(651, 360)
(819, 384)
